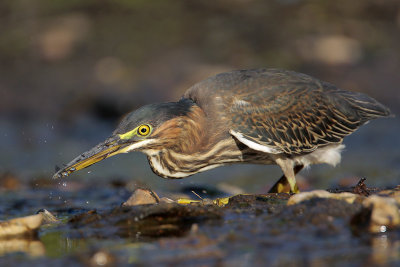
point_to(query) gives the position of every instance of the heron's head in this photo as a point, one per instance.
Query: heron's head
(148, 129)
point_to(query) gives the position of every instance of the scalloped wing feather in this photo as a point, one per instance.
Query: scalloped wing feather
(283, 111)
(301, 117)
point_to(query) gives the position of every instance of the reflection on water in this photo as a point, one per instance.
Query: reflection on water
(57, 244)
(33, 248)
(384, 250)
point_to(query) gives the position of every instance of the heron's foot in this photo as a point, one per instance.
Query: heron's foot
(284, 186)
(294, 188)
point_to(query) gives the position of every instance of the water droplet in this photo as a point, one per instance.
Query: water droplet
(64, 184)
(87, 202)
(89, 171)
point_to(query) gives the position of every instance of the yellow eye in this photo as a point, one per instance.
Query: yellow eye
(144, 130)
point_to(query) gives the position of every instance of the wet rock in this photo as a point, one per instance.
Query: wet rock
(141, 197)
(378, 215)
(24, 226)
(320, 215)
(144, 221)
(300, 197)
(249, 200)
(257, 204)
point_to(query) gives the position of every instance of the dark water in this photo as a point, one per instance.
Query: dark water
(30, 152)
(246, 233)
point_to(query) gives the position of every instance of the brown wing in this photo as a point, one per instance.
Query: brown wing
(287, 111)
(298, 118)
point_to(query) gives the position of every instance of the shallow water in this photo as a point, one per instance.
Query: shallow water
(238, 239)
(250, 231)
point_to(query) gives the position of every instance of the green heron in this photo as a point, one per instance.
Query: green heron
(263, 116)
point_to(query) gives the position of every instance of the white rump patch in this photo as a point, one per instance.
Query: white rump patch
(254, 145)
(329, 154)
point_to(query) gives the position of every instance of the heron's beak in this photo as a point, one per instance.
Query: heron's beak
(110, 147)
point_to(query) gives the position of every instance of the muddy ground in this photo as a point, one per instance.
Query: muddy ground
(250, 230)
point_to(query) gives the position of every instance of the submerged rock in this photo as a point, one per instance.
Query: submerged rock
(163, 219)
(378, 213)
(24, 226)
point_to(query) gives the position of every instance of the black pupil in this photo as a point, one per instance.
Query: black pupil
(143, 130)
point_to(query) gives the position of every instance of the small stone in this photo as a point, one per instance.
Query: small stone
(141, 197)
(20, 226)
(300, 197)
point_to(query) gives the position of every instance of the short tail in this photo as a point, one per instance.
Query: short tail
(367, 107)
(361, 106)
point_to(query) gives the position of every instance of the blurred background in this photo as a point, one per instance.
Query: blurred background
(70, 69)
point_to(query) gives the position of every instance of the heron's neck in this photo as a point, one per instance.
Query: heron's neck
(173, 164)
(191, 144)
